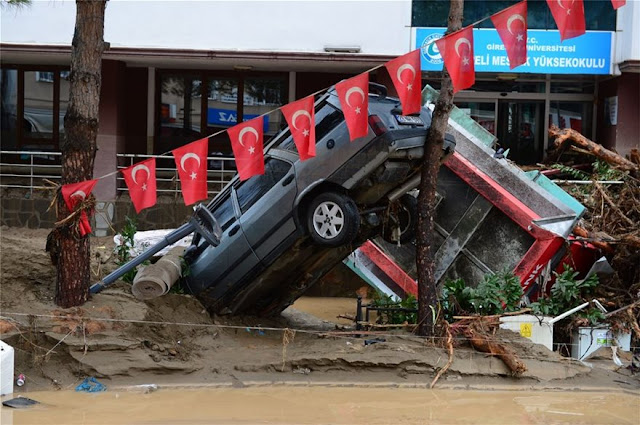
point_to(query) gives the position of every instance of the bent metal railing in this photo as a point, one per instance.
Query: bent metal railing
(28, 170)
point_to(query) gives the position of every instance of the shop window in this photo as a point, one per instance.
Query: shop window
(599, 14)
(581, 87)
(484, 113)
(9, 108)
(180, 114)
(183, 117)
(34, 103)
(261, 95)
(575, 115)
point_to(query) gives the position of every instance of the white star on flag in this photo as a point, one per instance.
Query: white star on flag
(144, 186)
(252, 149)
(409, 87)
(357, 110)
(568, 11)
(465, 61)
(305, 132)
(193, 175)
(520, 37)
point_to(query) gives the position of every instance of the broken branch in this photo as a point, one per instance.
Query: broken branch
(449, 344)
(483, 344)
(577, 139)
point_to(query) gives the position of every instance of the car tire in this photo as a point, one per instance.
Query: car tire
(404, 212)
(333, 219)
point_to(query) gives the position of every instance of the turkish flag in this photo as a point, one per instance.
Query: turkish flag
(355, 108)
(569, 17)
(456, 50)
(141, 181)
(618, 3)
(75, 193)
(302, 122)
(511, 24)
(406, 77)
(246, 142)
(191, 162)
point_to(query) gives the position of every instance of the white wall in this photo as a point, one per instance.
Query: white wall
(378, 27)
(628, 34)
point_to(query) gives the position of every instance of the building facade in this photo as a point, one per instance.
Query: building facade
(179, 70)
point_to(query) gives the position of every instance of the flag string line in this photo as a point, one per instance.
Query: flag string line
(256, 328)
(259, 116)
(326, 88)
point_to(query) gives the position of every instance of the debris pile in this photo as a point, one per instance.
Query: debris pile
(608, 185)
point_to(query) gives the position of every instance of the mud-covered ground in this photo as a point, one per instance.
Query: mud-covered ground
(172, 340)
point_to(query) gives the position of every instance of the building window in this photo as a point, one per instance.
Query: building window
(33, 106)
(184, 117)
(599, 15)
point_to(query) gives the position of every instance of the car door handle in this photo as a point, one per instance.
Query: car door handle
(288, 180)
(234, 230)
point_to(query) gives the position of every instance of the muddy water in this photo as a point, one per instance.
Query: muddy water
(323, 405)
(328, 308)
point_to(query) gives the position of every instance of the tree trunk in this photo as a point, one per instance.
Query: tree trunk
(427, 289)
(79, 146)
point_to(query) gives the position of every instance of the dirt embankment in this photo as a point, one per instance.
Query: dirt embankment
(173, 340)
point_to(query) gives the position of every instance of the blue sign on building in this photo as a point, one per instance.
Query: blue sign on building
(229, 118)
(589, 53)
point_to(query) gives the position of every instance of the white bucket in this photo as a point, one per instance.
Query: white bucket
(6, 369)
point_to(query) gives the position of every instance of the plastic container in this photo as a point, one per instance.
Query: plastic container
(6, 369)
(536, 328)
(585, 341)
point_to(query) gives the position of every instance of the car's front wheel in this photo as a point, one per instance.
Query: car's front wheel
(333, 219)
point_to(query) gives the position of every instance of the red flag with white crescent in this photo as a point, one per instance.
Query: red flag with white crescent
(302, 122)
(618, 3)
(511, 24)
(456, 50)
(405, 74)
(75, 193)
(569, 17)
(354, 98)
(248, 150)
(141, 181)
(191, 161)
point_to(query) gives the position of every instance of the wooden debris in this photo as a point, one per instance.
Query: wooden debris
(484, 344)
(449, 344)
(569, 135)
(596, 239)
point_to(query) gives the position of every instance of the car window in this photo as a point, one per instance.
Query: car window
(251, 190)
(327, 118)
(224, 214)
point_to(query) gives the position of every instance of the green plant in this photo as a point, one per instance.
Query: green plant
(603, 171)
(576, 174)
(566, 293)
(123, 249)
(496, 293)
(392, 316)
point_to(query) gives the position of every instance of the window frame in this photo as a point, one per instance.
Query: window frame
(205, 76)
(23, 140)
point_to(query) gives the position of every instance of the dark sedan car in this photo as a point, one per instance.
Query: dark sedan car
(283, 230)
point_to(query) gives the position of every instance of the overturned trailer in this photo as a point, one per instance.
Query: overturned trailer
(490, 216)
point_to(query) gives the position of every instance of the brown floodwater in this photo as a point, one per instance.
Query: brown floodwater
(326, 405)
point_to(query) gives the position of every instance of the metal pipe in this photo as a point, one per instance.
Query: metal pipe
(409, 185)
(169, 239)
(568, 313)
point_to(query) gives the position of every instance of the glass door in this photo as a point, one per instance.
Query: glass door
(520, 129)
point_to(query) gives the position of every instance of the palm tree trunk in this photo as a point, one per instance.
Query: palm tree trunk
(79, 146)
(427, 285)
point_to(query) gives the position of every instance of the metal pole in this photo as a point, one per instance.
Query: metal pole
(169, 239)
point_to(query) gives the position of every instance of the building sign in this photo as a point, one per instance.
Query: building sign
(229, 118)
(589, 53)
